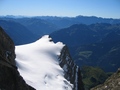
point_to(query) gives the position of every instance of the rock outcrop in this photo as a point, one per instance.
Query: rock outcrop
(72, 71)
(10, 78)
(112, 83)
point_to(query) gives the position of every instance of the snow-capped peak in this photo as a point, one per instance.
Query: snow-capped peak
(38, 64)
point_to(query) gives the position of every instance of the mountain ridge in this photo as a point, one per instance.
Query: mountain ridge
(88, 42)
(41, 25)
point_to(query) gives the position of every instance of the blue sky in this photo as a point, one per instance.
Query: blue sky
(71, 8)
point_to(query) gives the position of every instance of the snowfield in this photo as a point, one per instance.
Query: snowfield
(38, 64)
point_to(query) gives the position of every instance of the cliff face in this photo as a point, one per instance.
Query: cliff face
(6, 48)
(112, 83)
(10, 78)
(71, 70)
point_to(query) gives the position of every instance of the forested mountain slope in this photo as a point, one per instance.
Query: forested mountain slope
(95, 44)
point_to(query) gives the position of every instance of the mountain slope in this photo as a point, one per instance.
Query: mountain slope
(93, 76)
(95, 44)
(75, 35)
(38, 63)
(81, 34)
(37, 26)
(112, 83)
(19, 33)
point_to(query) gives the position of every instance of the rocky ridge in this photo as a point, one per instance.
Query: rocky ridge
(71, 70)
(10, 78)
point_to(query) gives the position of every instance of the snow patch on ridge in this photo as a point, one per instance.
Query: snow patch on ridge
(38, 64)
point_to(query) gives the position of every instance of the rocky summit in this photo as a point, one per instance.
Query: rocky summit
(112, 83)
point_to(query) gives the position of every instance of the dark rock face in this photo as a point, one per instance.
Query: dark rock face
(112, 83)
(10, 78)
(6, 47)
(72, 71)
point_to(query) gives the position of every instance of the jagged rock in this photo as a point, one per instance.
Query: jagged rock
(112, 83)
(72, 71)
(10, 78)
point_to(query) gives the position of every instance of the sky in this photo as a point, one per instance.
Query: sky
(70, 8)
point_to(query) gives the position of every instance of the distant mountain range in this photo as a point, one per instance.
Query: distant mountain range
(41, 25)
(95, 45)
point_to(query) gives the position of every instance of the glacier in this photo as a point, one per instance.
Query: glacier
(38, 64)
